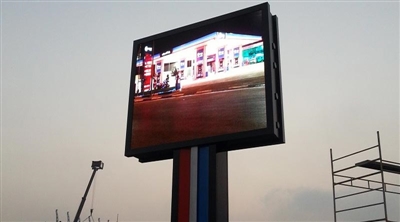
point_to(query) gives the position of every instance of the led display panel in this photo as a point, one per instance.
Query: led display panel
(213, 82)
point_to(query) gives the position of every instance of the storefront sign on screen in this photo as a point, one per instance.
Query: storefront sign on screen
(221, 53)
(211, 58)
(182, 66)
(200, 56)
(148, 62)
(236, 52)
(158, 67)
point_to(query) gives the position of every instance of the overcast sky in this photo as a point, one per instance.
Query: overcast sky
(65, 74)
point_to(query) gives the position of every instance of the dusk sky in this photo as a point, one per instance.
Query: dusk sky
(65, 75)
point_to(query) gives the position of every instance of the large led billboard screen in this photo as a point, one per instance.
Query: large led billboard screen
(213, 82)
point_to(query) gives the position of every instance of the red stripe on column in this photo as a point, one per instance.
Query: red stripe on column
(184, 185)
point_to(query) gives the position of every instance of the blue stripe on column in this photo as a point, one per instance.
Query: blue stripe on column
(203, 184)
(193, 184)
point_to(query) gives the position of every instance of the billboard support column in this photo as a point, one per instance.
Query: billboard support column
(199, 185)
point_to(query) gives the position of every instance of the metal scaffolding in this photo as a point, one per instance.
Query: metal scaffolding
(362, 183)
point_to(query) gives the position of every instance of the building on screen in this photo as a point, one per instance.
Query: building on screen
(201, 58)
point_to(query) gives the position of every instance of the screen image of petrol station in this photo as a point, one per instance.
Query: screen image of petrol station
(215, 55)
(211, 86)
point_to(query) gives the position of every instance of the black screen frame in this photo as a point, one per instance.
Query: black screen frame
(274, 132)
